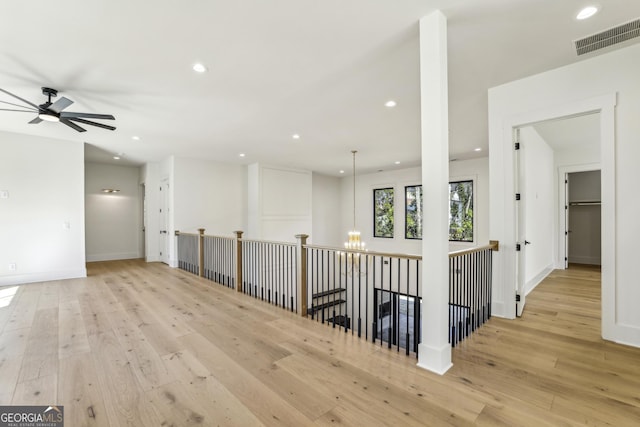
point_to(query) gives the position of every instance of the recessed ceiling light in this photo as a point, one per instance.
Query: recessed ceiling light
(295, 136)
(341, 171)
(116, 157)
(110, 190)
(397, 162)
(391, 103)
(242, 154)
(587, 12)
(135, 138)
(478, 149)
(199, 68)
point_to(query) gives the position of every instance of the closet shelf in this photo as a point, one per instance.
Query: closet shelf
(585, 203)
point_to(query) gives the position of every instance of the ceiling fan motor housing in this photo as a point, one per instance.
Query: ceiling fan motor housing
(47, 91)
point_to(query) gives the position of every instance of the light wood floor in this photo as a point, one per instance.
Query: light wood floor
(141, 344)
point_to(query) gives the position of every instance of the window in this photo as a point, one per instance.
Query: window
(383, 212)
(413, 212)
(461, 211)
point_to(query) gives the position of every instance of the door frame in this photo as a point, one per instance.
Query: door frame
(164, 240)
(520, 218)
(563, 200)
(504, 274)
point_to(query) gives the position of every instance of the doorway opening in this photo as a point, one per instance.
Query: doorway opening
(550, 155)
(397, 319)
(583, 219)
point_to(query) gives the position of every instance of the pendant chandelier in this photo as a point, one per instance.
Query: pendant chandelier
(354, 241)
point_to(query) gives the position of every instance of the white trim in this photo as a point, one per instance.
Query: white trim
(21, 279)
(113, 257)
(533, 283)
(592, 260)
(561, 173)
(433, 359)
(604, 104)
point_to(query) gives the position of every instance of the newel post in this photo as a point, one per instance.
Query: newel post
(238, 260)
(201, 252)
(301, 264)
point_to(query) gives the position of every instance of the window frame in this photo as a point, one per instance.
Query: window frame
(459, 180)
(375, 216)
(406, 212)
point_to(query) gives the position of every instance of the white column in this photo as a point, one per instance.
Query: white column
(434, 352)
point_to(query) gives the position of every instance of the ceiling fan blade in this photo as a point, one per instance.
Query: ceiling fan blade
(20, 111)
(87, 122)
(60, 104)
(72, 125)
(35, 121)
(18, 105)
(70, 115)
(21, 99)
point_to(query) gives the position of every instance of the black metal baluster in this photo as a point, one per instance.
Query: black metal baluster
(366, 299)
(407, 341)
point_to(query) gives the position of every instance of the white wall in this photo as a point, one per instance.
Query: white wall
(279, 203)
(606, 83)
(201, 194)
(538, 198)
(475, 169)
(365, 184)
(113, 222)
(209, 195)
(327, 211)
(42, 220)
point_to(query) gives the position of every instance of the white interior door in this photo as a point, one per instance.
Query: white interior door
(164, 221)
(521, 223)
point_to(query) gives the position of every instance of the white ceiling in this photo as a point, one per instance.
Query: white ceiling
(322, 69)
(570, 132)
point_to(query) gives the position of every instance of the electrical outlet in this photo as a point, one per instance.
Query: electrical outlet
(4, 194)
(13, 266)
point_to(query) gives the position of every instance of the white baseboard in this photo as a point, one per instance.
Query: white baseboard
(433, 359)
(592, 260)
(531, 284)
(624, 334)
(45, 276)
(497, 309)
(112, 256)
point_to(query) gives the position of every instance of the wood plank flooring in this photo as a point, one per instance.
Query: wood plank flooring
(137, 344)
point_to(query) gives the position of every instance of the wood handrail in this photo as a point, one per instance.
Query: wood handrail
(493, 245)
(270, 242)
(355, 251)
(180, 233)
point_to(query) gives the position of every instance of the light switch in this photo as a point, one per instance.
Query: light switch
(4, 194)
(66, 225)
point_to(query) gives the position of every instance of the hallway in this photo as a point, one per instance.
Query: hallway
(143, 344)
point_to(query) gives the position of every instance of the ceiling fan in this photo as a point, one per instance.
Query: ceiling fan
(52, 112)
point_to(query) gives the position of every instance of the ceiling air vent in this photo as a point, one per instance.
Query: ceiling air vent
(608, 37)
